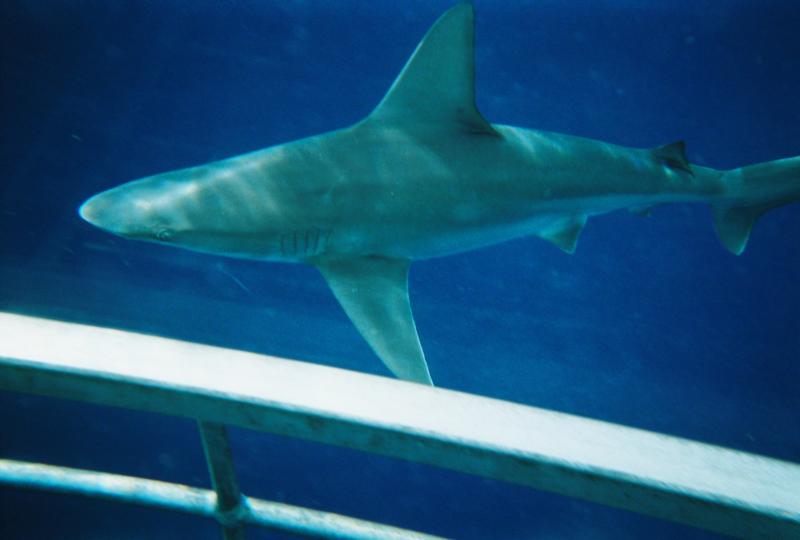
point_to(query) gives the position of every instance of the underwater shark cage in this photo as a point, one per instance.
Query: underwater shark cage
(718, 489)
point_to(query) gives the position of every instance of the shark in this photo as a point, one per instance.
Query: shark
(424, 175)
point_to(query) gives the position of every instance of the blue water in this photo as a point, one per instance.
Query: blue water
(651, 323)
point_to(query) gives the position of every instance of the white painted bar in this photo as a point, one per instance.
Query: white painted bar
(203, 502)
(719, 489)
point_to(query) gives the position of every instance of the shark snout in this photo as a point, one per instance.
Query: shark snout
(89, 211)
(99, 210)
(116, 211)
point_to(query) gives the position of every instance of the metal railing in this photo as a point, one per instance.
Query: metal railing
(715, 488)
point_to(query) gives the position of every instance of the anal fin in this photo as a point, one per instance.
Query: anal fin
(734, 224)
(374, 293)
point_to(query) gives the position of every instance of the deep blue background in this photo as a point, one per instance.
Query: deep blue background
(651, 323)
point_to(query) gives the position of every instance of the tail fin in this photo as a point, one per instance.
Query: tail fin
(751, 192)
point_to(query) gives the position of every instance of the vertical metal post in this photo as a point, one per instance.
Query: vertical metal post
(230, 504)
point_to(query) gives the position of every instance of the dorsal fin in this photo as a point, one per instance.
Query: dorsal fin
(673, 155)
(437, 85)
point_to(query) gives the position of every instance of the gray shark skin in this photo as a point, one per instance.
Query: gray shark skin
(424, 175)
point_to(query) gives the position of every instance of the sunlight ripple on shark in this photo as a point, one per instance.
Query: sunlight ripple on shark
(424, 175)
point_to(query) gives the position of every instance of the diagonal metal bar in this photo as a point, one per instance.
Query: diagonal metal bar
(229, 506)
(698, 484)
(202, 502)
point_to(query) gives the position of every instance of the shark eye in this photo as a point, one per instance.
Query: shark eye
(163, 234)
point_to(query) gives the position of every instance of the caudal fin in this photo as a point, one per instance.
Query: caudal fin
(751, 192)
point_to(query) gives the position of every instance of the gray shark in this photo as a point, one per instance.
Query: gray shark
(424, 175)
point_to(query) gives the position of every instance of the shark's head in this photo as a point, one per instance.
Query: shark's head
(231, 207)
(195, 209)
(150, 209)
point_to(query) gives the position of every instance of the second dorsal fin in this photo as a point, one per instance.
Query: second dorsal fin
(437, 85)
(673, 155)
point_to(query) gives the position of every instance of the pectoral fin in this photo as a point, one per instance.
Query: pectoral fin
(374, 293)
